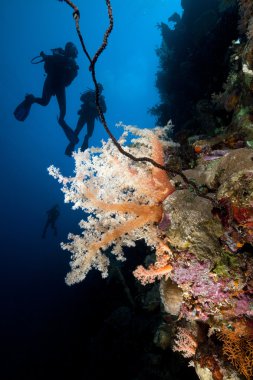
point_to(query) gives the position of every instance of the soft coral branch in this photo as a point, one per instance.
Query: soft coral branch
(124, 201)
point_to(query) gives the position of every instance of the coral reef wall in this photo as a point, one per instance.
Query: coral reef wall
(205, 85)
(194, 57)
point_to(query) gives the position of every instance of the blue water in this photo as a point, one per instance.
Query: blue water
(41, 317)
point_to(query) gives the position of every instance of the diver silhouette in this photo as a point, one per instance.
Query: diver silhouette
(52, 216)
(61, 70)
(88, 114)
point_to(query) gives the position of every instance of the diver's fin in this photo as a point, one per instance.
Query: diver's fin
(22, 110)
(70, 149)
(84, 147)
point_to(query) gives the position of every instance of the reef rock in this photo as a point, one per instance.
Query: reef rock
(193, 227)
(171, 296)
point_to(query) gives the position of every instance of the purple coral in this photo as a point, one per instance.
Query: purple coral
(194, 277)
(244, 306)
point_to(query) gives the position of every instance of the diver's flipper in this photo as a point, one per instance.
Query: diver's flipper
(23, 109)
(70, 149)
(85, 144)
(84, 147)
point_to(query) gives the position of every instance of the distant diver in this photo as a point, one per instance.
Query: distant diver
(88, 114)
(61, 69)
(52, 216)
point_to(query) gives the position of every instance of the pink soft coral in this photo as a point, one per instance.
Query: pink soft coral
(124, 200)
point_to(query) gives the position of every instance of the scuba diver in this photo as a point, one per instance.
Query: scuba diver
(88, 114)
(61, 70)
(52, 216)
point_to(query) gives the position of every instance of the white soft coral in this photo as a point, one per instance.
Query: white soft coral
(123, 197)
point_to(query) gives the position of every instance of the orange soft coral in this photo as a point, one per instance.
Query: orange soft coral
(123, 200)
(238, 346)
